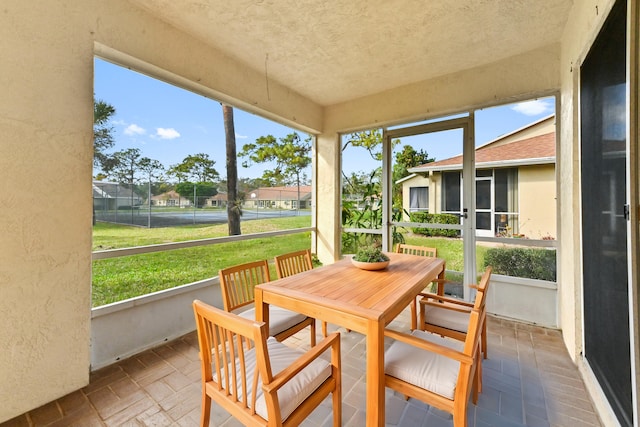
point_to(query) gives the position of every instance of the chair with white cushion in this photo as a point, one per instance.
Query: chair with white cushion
(424, 251)
(258, 380)
(450, 316)
(237, 284)
(439, 371)
(293, 263)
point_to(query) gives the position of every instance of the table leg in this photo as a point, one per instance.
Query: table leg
(375, 373)
(262, 309)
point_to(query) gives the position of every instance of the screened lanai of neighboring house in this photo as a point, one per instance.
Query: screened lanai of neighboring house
(328, 69)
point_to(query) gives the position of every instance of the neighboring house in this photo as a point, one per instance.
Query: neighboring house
(217, 201)
(169, 199)
(111, 195)
(515, 184)
(279, 197)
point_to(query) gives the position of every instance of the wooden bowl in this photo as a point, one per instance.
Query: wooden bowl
(370, 265)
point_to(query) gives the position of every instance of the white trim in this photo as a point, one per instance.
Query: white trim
(488, 165)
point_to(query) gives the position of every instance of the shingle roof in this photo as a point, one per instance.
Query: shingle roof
(281, 193)
(535, 150)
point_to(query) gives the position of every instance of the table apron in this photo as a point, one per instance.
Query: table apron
(337, 316)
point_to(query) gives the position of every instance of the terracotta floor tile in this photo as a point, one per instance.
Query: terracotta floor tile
(528, 368)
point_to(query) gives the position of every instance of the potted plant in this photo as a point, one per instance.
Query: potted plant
(370, 258)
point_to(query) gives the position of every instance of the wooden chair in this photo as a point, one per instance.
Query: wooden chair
(237, 284)
(403, 248)
(294, 263)
(236, 353)
(437, 370)
(450, 316)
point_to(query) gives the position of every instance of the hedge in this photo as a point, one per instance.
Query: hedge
(523, 262)
(435, 219)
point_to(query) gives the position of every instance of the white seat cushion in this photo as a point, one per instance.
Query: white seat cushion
(424, 369)
(279, 318)
(296, 390)
(446, 318)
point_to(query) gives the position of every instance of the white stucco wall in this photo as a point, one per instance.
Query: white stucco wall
(584, 22)
(46, 123)
(46, 116)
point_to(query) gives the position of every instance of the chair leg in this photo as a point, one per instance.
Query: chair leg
(324, 329)
(337, 408)
(206, 409)
(414, 315)
(313, 332)
(460, 418)
(483, 337)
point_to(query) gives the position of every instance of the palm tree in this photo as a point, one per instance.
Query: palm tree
(233, 203)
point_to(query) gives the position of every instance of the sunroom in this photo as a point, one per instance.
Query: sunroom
(328, 69)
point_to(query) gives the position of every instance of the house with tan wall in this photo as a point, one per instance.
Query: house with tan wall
(278, 197)
(515, 184)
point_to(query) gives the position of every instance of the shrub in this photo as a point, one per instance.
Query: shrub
(523, 262)
(436, 219)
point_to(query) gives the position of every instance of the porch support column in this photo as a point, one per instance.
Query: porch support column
(328, 167)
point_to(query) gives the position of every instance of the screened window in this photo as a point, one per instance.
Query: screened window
(451, 193)
(418, 199)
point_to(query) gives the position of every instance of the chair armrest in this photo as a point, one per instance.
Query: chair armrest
(332, 341)
(447, 306)
(441, 298)
(428, 346)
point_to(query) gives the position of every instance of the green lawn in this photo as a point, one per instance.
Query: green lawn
(127, 277)
(117, 279)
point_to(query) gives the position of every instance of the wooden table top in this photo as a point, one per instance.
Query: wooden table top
(369, 294)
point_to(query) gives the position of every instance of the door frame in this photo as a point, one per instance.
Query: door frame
(468, 222)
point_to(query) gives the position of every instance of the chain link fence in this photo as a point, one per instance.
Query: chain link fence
(146, 206)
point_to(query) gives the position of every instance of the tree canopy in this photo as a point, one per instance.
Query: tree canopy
(102, 135)
(290, 154)
(197, 167)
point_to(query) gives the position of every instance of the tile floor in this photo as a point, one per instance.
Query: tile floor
(529, 380)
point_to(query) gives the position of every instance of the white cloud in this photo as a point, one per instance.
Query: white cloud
(533, 108)
(133, 130)
(167, 133)
(241, 136)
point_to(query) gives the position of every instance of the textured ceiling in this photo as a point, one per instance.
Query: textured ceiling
(334, 51)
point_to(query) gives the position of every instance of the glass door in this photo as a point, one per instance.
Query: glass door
(428, 202)
(604, 159)
(484, 203)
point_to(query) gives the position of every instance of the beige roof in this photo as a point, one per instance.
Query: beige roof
(281, 193)
(536, 150)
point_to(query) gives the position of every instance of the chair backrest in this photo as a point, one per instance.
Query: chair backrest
(293, 263)
(238, 282)
(233, 355)
(238, 374)
(483, 284)
(404, 248)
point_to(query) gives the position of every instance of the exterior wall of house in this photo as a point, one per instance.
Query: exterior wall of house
(537, 201)
(548, 126)
(536, 204)
(418, 181)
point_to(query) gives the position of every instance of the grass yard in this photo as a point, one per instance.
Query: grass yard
(121, 278)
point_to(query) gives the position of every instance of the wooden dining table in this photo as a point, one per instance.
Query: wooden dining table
(359, 300)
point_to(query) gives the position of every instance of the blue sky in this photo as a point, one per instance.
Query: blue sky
(168, 123)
